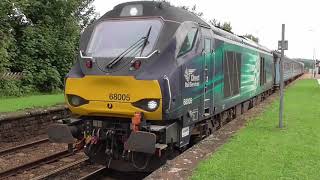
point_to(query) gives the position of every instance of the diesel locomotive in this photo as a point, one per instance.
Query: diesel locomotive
(151, 79)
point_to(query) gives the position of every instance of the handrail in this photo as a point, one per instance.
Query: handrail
(84, 57)
(149, 56)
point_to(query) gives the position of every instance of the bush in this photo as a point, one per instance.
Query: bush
(10, 88)
(48, 80)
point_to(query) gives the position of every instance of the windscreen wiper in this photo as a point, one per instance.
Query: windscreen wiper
(146, 40)
(125, 52)
(139, 43)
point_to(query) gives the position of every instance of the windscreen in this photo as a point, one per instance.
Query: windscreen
(113, 37)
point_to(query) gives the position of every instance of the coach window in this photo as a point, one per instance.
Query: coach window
(188, 42)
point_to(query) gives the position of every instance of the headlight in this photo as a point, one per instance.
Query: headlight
(76, 101)
(132, 10)
(152, 105)
(147, 104)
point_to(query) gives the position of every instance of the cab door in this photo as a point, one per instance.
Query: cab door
(207, 72)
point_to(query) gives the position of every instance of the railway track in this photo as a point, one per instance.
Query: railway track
(33, 164)
(62, 170)
(24, 157)
(16, 148)
(64, 164)
(81, 169)
(93, 174)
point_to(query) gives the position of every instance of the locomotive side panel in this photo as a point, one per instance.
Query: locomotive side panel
(197, 79)
(239, 74)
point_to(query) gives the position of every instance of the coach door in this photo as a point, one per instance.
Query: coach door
(207, 73)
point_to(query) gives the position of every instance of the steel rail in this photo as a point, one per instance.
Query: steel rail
(35, 163)
(61, 169)
(16, 148)
(93, 174)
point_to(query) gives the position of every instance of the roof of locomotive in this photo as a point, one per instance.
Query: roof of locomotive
(169, 12)
(153, 8)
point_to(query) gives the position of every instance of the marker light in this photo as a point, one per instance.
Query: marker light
(89, 63)
(136, 64)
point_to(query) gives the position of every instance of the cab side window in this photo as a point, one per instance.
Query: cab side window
(188, 42)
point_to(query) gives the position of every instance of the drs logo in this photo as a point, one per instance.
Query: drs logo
(119, 97)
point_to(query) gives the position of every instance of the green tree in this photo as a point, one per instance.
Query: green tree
(46, 35)
(195, 11)
(252, 37)
(85, 13)
(215, 22)
(225, 25)
(7, 41)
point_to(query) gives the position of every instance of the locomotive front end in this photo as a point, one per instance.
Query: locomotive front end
(107, 80)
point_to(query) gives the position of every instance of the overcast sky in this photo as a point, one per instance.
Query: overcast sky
(260, 18)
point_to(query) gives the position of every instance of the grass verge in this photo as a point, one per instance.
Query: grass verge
(19, 103)
(263, 151)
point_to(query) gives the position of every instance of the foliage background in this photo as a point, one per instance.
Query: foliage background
(40, 38)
